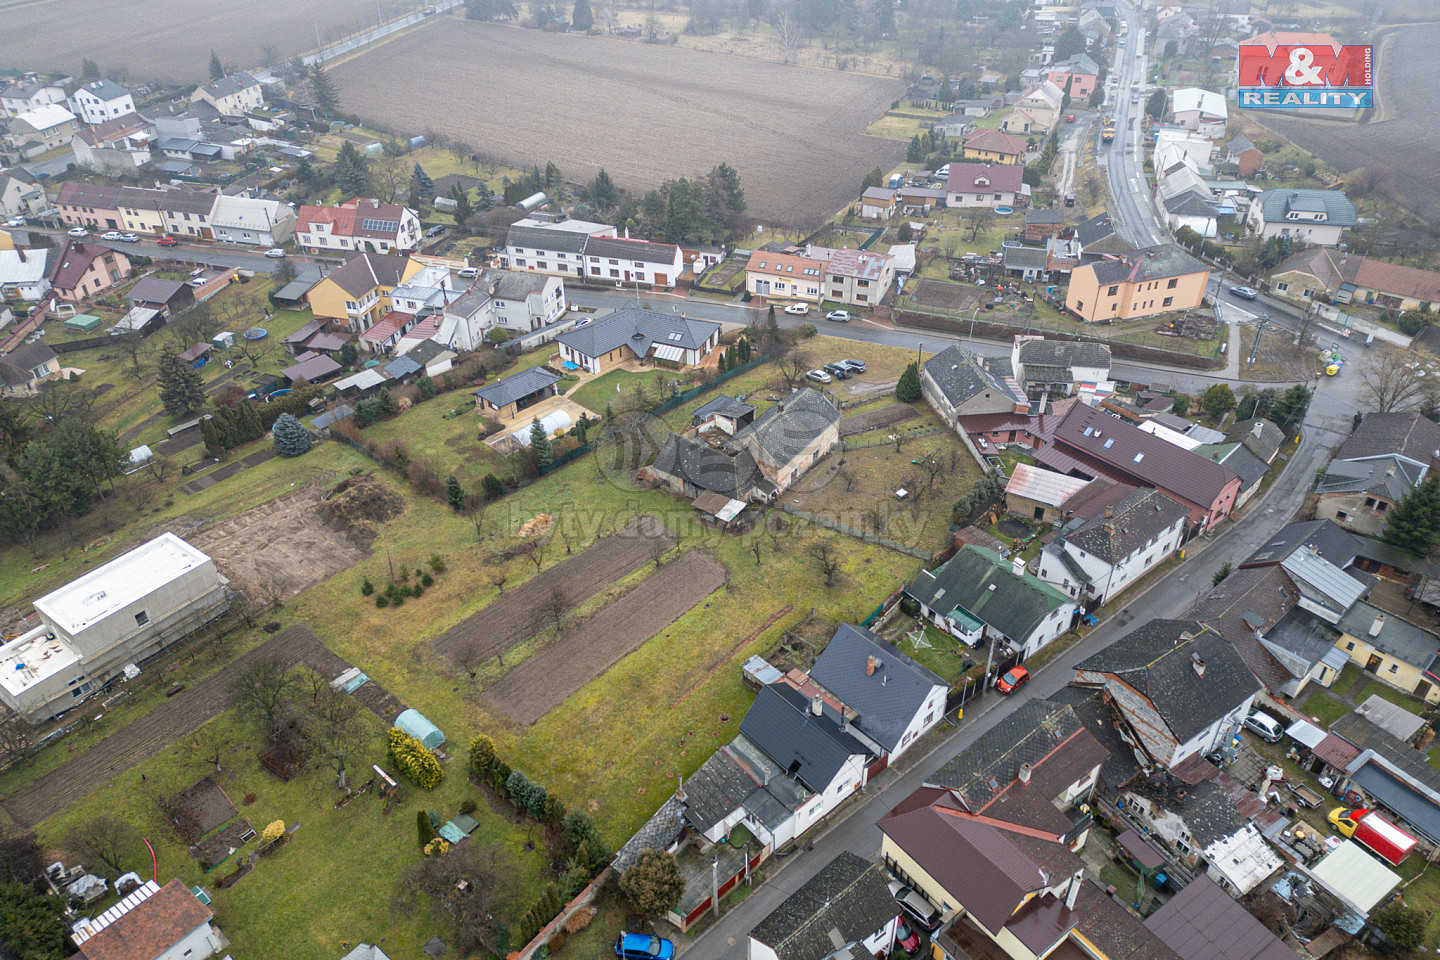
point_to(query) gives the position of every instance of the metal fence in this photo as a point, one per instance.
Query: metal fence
(881, 441)
(850, 531)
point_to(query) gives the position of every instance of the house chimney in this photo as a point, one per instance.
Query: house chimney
(1198, 664)
(1313, 549)
(1255, 430)
(1024, 775)
(1073, 893)
(1017, 566)
(871, 665)
(1377, 625)
(1109, 512)
(817, 705)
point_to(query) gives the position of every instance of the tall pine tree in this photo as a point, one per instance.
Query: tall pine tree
(327, 98)
(217, 69)
(540, 444)
(582, 18)
(352, 171)
(422, 188)
(180, 387)
(463, 207)
(602, 191)
(1414, 523)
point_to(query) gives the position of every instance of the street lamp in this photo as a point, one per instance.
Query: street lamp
(971, 337)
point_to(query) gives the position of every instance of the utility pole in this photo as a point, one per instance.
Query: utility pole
(1259, 330)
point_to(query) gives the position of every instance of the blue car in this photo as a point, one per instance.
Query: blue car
(642, 946)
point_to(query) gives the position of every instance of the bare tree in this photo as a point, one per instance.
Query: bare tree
(469, 659)
(262, 692)
(979, 218)
(333, 731)
(22, 859)
(105, 839)
(931, 465)
(788, 32)
(537, 555)
(158, 467)
(793, 364)
(499, 578)
(1394, 384)
(460, 888)
(14, 742)
(135, 348)
(658, 549)
(756, 547)
(552, 610)
(388, 175)
(256, 352)
(828, 559)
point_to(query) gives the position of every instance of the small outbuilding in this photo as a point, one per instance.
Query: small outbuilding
(413, 722)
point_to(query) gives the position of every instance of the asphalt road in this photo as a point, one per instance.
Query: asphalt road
(1134, 213)
(207, 253)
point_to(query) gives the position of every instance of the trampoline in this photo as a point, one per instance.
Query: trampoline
(1004, 211)
(256, 333)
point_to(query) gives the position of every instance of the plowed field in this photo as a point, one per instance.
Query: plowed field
(512, 617)
(644, 112)
(542, 683)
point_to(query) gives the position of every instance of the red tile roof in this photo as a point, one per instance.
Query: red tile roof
(995, 142)
(348, 219)
(75, 258)
(387, 326)
(998, 177)
(150, 927)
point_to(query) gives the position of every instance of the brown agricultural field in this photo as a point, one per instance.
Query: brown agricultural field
(170, 40)
(643, 112)
(1403, 138)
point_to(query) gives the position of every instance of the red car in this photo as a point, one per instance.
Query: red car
(1013, 680)
(167, 241)
(1069, 118)
(905, 938)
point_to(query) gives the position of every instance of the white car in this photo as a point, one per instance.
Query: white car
(197, 281)
(130, 237)
(798, 309)
(78, 232)
(819, 376)
(15, 222)
(839, 316)
(110, 235)
(275, 253)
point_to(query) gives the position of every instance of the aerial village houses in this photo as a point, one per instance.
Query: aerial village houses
(101, 100)
(627, 261)
(361, 224)
(785, 276)
(665, 339)
(1095, 559)
(1150, 281)
(84, 269)
(541, 246)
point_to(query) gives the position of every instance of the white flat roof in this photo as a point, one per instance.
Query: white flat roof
(34, 656)
(1356, 877)
(119, 583)
(1168, 435)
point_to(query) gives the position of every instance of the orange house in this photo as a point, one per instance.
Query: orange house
(993, 146)
(85, 269)
(1149, 281)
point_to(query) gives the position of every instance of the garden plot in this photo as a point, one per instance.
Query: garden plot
(542, 683)
(515, 615)
(279, 548)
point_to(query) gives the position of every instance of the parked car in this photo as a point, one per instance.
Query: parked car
(197, 281)
(856, 366)
(436, 230)
(838, 370)
(167, 241)
(275, 253)
(819, 376)
(915, 907)
(1244, 293)
(839, 316)
(108, 235)
(1069, 118)
(468, 273)
(798, 309)
(15, 222)
(643, 946)
(1264, 726)
(905, 938)
(130, 237)
(78, 232)
(1014, 679)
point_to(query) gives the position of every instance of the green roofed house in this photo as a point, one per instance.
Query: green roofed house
(975, 596)
(414, 723)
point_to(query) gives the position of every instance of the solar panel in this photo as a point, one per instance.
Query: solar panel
(386, 226)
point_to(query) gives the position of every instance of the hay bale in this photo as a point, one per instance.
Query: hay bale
(537, 525)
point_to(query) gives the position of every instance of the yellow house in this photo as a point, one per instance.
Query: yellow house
(1392, 649)
(7, 242)
(1146, 282)
(359, 292)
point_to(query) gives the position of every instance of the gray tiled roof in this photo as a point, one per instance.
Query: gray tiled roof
(1379, 434)
(1160, 262)
(538, 238)
(1248, 467)
(984, 586)
(364, 272)
(104, 89)
(658, 833)
(1095, 711)
(1065, 353)
(708, 468)
(1330, 540)
(514, 387)
(622, 249)
(154, 290)
(788, 427)
(1339, 211)
(512, 284)
(1389, 476)
(1155, 659)
(1203, 922)
(1248, 601)
(234, 83)
(1134, 521)
(812, 749)
(847, 901)
(723, 405)
(887, 699)
(1261, 437)
(1397, 636)
(990, 765)
(638, 329)
(715, 791)
(960, 376)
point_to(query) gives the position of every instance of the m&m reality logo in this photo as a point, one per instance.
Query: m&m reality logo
(1292, 71)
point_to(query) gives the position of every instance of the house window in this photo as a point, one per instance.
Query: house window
(1113, 291)
(142, 618)
(614, 273)
(541, 265)
(1174, 282)
(1167, 301)
(1282, 286)
(1350, 645)
(1394, 668)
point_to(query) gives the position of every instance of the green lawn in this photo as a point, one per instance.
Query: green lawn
(1324, 708)
(616, 389)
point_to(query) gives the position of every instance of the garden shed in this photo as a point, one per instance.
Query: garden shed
(414, 723)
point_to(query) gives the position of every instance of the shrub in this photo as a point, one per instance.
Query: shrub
(423, 827)
(493, 486)
(274, 831)
(437, 847)
(437, 563)
(467, 806)
(415, 761)
(552, 811)
(907, 389)
(579, 920)
(366, 587)
(525, 793)
(381, 600)
(482, 757)
(426, 580)
(416, 590)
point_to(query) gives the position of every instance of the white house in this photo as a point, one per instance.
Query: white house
(1316, 217)
(363, 224)
(628, 262)
(231, 96)
(28, 94)
(516, 302)
(23, 274)
(1203, 111)
(151, 923)
(858, 277)
(785, 276)
(101, 100)
(116, 615)
(21, 195)
(1061, 368)
(664, 339)
(1182, 687)
(983, 185)
(43, 128)
(265, 223)
(559, 248)
(1094, 559)
(848, 901)
(975, 596)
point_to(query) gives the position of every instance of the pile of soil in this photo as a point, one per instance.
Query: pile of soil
(359, 500)
(537, 525)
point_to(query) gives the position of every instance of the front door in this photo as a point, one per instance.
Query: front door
(1373, 665)
(1422, 689)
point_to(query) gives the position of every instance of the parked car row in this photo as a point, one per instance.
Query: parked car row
(839, 370)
